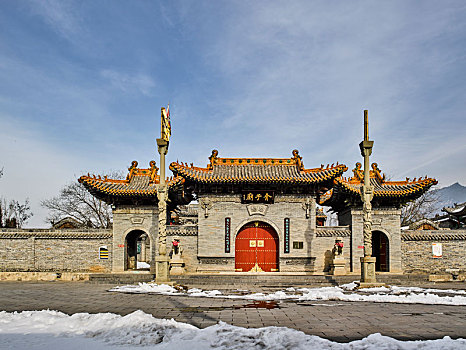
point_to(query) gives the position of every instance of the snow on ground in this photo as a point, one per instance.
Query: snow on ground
(391, 294)
(142, 265)
(54, 330)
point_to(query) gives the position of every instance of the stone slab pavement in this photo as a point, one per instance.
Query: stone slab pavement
(333, 320)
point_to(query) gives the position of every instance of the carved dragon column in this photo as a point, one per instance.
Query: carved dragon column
(162, 260)
(367, 192)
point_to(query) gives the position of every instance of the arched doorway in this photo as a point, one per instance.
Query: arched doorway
(380, 250)
(137, 251)
(256, 248)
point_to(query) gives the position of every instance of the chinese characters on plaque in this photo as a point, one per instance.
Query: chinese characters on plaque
(227, 234)
(257, 196)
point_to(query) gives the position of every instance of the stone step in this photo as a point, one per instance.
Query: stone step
(120, 278)
(269, 281)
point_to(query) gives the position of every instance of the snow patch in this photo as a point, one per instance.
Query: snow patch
(138, 330)
(142, 265)
(347, 292)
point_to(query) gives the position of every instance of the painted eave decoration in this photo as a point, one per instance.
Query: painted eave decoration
(138, 183)
(383, 189)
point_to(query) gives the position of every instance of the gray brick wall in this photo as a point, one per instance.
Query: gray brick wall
(203, 247)
(54, 250)
(322, 251)
(130, 218)
(417, 254)
(384, 220)
(189, 246)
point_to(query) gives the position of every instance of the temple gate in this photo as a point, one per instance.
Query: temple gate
(256, 248)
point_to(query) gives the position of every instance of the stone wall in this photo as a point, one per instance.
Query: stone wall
(131, 218)
(213, 209)
(322, 247)
(187, 236)
(54, 250)
(385, 220)
(417, 254)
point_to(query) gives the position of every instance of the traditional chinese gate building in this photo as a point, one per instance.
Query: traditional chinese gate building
(389, 196)
(256, 215)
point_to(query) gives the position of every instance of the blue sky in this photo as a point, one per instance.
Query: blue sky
(82, 83)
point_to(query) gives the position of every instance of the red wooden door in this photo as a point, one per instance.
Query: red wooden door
(383, 253)
(256, 248)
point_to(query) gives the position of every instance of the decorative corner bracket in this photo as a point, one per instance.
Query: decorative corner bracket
(206, 204)
(307, 207)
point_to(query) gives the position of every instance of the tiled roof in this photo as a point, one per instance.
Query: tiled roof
(139, 183)
(421, 224)
(457, 210)
(182, 230)
(442, 235)
(257, 170)
(333, 231)
(382, 188)
(56, 234)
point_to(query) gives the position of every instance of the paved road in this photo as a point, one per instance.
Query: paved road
(338, 321)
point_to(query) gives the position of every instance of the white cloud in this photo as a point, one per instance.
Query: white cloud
(303, 73)
(61, 15)
(130, 82)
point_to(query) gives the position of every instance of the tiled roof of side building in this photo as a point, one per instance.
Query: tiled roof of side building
(257, 170)
(456, 210)
(382, 188)
(138, 183)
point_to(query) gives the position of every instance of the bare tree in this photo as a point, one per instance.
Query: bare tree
(13, 214)
(423, 207)
(76, 202)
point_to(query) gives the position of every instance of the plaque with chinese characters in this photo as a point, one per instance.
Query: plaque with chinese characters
(257, 196)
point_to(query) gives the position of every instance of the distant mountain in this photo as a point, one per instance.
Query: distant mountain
(450, 195)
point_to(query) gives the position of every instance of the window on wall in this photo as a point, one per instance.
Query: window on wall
(103, 253)
(227, 234)
(298, 245)
(287, 234)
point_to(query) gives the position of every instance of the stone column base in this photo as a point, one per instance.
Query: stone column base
(368, 279)
(161, 269)
(337, 267)
(177, 266)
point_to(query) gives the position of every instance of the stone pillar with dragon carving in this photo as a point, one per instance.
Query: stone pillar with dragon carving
(162, 259)
(368, 278)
